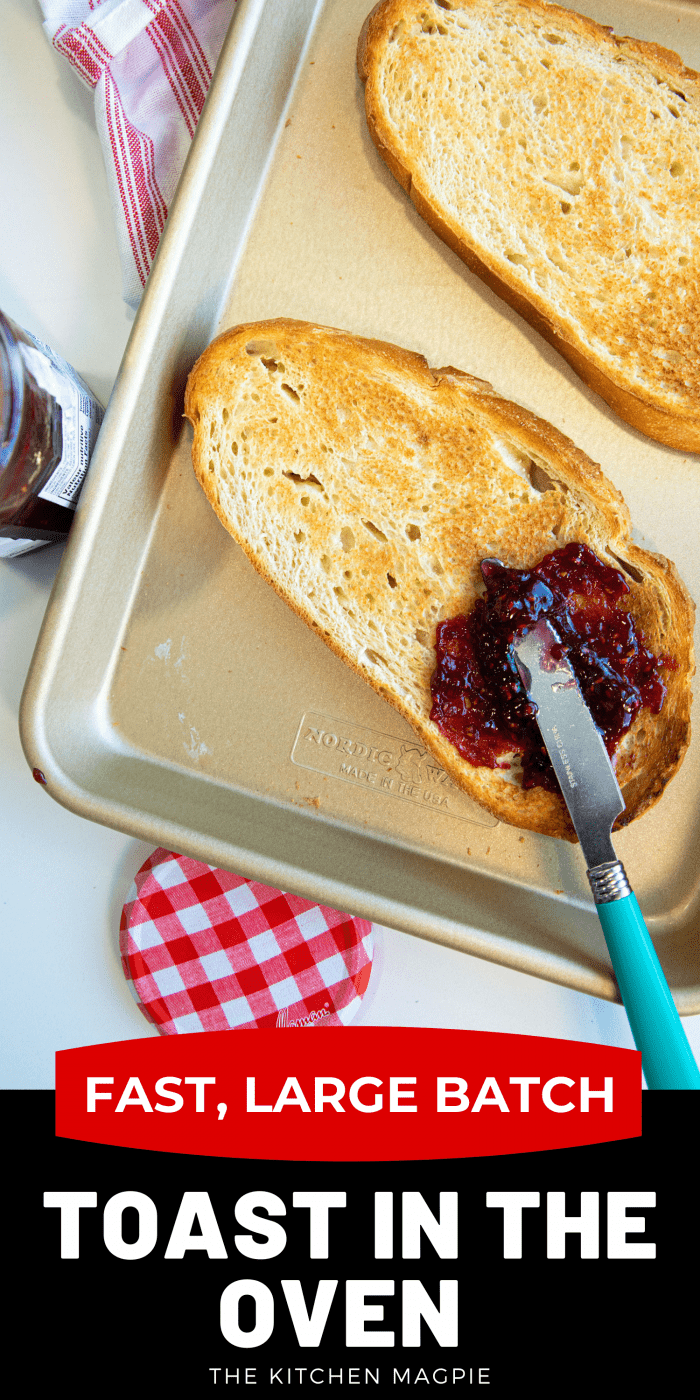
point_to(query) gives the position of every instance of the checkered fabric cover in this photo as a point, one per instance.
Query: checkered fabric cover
(204, 950)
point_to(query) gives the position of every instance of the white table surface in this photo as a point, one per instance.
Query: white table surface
(64, 879)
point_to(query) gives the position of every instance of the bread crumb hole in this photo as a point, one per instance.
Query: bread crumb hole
(299, 536)
(309, 480)
(677, 168)
(540, 479)
(516, 257)
(262, 347)
(436, 567)
(635, 574)
(374, 657)
(268, 471)
(505, 119)
(413, 532)
(391, 580)
(374, 530)
(326, 564)
(422, 637)
(291, 393)
(347, 539)
(234, 448)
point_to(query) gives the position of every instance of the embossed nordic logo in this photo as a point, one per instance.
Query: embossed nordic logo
(382, 763)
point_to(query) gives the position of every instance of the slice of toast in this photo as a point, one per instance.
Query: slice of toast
(367, 488)
(562, 164)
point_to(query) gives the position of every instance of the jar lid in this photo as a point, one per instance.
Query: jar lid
(205, 950)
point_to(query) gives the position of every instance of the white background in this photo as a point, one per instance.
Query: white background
(64, 879)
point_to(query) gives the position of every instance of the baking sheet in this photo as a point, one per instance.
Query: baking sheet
(174, 696)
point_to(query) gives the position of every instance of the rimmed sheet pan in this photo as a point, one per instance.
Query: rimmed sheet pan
(173, 696)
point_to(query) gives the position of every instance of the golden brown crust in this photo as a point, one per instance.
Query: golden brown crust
(642, 360)
(366, 488)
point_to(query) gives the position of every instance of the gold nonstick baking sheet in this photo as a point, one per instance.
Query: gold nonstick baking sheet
(175, 697)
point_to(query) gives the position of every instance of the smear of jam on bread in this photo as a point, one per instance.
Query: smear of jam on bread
(479, 702)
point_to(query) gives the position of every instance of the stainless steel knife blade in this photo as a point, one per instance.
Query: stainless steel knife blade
(574, 744)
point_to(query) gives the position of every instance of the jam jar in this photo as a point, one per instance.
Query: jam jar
(49, 421)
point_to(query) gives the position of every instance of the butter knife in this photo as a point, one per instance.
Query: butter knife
(591, 792)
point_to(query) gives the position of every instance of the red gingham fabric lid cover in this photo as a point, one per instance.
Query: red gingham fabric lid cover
(205, 950)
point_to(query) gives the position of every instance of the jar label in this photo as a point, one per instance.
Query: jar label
(81, 413)
(9, 547)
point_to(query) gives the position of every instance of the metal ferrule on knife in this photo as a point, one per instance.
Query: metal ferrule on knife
(609, 882)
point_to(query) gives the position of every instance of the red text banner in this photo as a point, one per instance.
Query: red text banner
(368, 1094)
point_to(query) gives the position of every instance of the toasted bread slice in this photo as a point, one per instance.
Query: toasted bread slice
(367, 488)
(562, 164)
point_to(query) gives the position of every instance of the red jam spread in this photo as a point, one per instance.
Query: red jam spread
(479, 702)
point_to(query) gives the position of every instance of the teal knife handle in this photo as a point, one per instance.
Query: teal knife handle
(667, 1059)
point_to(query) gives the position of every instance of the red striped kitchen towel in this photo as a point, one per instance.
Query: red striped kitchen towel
(150, 63)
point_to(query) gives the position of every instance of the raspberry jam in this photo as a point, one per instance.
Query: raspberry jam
(479, 702)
